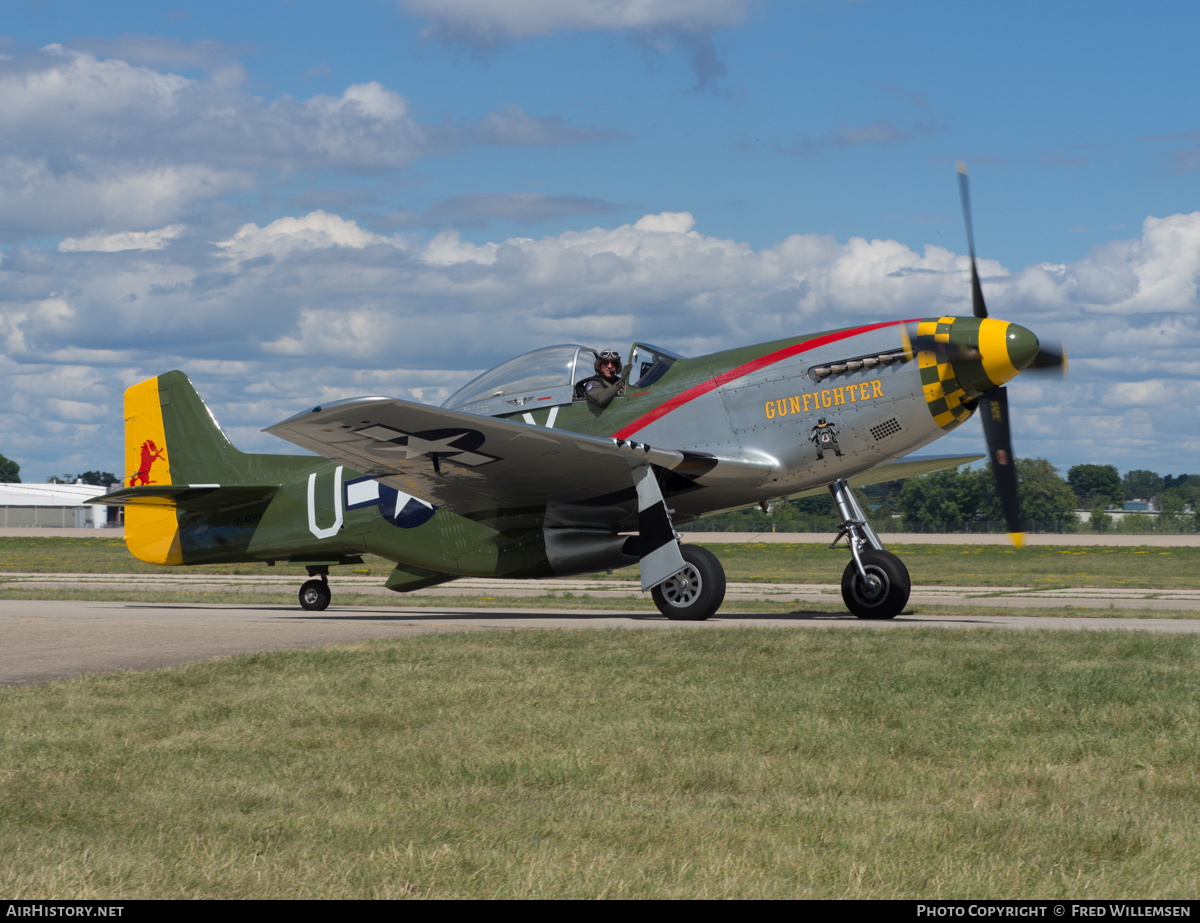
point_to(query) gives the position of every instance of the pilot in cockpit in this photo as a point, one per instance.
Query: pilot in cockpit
(606, 384)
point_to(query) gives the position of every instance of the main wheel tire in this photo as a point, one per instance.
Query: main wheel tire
(885, 592)
(697, 591)
(315, 595)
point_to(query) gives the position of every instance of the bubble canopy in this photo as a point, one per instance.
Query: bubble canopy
(547, 376)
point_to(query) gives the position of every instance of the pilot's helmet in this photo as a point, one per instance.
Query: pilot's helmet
(608, 355)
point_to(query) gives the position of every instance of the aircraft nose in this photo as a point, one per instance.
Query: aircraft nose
(1023, 346)
(962, 358)
(1005, 349)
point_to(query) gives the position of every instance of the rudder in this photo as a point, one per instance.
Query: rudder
(171, 438)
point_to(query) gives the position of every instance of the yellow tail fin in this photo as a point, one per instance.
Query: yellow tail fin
(151, 532)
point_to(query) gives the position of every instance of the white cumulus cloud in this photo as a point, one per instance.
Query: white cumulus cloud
(257, 311)
(92, 147)
(315, 231)
(125, 240)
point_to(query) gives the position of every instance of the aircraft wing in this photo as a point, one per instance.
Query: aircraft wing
(911, 467)
(484, 466)
(899, 469)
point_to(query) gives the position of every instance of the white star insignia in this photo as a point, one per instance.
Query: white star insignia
(416, 447)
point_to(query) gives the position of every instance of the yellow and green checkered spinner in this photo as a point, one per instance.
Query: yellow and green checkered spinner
(960, 358)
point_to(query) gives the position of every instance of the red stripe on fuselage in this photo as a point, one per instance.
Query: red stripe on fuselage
(742, 370)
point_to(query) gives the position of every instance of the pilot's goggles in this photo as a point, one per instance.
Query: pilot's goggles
(607, 354)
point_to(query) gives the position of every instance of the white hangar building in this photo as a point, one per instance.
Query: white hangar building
(55, 505)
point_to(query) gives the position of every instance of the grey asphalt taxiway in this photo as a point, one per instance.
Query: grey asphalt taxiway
(46, 640)
(42, 640)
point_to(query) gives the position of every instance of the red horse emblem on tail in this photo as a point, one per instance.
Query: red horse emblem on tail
(150, 454)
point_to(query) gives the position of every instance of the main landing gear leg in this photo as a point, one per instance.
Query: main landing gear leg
(315, 594)
(686, 581)
(875, 584)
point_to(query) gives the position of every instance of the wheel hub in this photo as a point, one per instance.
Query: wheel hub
(683, 588)
(873, 587)
(695, 592)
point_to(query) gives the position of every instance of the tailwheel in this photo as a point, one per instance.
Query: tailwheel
(884, 593)
(315, 595)
(697, 591)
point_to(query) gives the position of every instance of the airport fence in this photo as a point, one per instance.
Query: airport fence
(1131, 525)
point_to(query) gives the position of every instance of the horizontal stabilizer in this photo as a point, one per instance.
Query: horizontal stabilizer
(191, 498)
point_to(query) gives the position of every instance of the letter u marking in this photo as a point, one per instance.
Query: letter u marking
(337, 505)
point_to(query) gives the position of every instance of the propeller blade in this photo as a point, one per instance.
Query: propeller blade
(993, 410)
(907, 333)
(913, 342)
(977, 305)
(1051, 357)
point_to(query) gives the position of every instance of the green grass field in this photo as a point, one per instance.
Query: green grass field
(950, 565)
(732, 763)
(978, 565)
(649, 764)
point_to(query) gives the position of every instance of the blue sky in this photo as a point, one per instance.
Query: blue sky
(294, 201)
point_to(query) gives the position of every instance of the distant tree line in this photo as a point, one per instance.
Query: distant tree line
(966, 500)
(94, 478)
(10, 471)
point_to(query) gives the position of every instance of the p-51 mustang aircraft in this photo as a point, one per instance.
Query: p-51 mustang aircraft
(516, 476)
